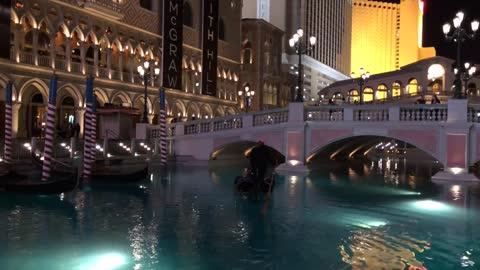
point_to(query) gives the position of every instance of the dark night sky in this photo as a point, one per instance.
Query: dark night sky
(438, 12)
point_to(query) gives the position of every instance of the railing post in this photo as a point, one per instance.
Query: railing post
(105, 147)
(73, 146)
(180, 129)
(133, 144)
(457, 110)
(348, 114)
(296, 112)
(394, 113)
(247, 120)
(155, 147)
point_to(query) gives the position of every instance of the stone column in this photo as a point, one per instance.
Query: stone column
(95, 59)
(79, 118)
(109, 62)
(132, 68)
(68, 54)
(83, 68)
(35, 46)
(150, 118)
(120, 65)
(16, 43)
(52, 51)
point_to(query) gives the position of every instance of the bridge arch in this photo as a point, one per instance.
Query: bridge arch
(237, 150)
(355, 146)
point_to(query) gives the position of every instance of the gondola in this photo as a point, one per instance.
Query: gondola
(103, 173)
(117, 174)
(247, 184)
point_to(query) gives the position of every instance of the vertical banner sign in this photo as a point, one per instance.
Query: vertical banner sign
(209, 47)
(172, 44)
(5, 29)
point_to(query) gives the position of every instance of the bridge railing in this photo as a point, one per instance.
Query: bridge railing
(324, 113)
(270, 117)
(378, 113)
(424, 113)
(474, 114)
(212, 125)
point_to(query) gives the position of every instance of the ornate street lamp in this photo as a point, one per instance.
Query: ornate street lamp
(459, 35)
(466, 75)
(301, 47)
(361, 81)
(145, 74)
(249, 93)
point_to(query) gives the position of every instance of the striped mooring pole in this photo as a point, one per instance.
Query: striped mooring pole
(7, 155)
(89, 145)
(49, 130)
(163, 129)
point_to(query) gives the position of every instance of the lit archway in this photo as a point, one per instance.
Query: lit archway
(382, 92)
(367, 95)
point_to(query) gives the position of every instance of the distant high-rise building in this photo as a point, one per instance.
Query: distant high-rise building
(329, 21)
(387, 36)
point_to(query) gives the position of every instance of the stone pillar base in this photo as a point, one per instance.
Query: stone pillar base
(448, 177)
(289, 168)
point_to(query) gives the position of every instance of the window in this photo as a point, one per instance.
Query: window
(412, 87)
(353, 96)
(396, 90)
(146, 4)
(187, 15)
(381, 92)
(368, 95)
(221, 29)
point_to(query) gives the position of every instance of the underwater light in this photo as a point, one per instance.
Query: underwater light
(110, 261)
(430, 205)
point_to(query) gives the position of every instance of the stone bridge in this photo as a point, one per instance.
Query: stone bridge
(449, 133)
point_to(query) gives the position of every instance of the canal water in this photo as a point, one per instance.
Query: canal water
(380, 215)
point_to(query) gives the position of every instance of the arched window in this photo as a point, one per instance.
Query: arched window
(353, 96)
(367, 95)
(396, 89)
(187, 15)
(412, 87)
(382, 92)
(221, 29)
(247, 52)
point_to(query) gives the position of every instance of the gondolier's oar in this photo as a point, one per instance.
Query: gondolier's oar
(49, 129)
(8, 125)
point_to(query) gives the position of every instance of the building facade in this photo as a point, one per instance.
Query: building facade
(261, 65)
(108, 39)
(329, 21)
(387, 36)
(422, 78)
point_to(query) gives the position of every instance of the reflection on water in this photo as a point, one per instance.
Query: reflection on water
(377, 249)
(385, 215)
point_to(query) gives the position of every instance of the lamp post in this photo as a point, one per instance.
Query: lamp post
(361, 81)
(249, 93)
(145, 74)
(301, 47)
(466, 75)
(459, 35)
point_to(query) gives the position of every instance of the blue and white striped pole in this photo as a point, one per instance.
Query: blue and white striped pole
(49, 130)
(89, 134)
(163, 129)
(8, 125)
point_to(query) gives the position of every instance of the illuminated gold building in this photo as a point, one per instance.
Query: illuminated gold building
(387, 36)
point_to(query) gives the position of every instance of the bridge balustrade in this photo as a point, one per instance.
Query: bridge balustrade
(213, 125)
(271, 117)
(430, 113)
(474, 114)
(371, 114)
(324, 113)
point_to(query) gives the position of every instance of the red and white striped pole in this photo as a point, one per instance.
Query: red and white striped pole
(49, 130)
(89, 141)
(8, 125)
(163, 129)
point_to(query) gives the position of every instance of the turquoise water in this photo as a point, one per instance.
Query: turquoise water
(190, 218)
